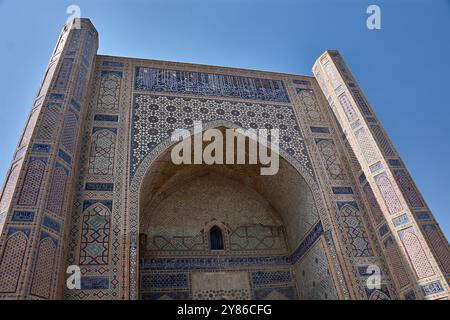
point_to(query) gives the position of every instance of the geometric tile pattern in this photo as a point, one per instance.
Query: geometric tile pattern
(270, 277)
(366, 146)
(347, 107)
(353, 230)
(416, 253)
(373, 143)
(361, 102)
(375, 209)
(74, 41)
(438, 243)
(155, 117)
(44, 269)
(69, 132)
(30, 126)
(8, 190)
(64, 74)
(101, 160)
(11, 261)
(331, 159)
(32, 184)
(329, 70)
(384, 144)
(94, 247)
(80, 83)
(396, 261)
(387, 191)
(57, 189)
(164, 280)
(108, 97)
(309, 102)
(49, 122)
(407, 188)
(231, 294)
(88, 48)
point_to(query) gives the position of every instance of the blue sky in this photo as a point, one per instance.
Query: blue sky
(403, 68)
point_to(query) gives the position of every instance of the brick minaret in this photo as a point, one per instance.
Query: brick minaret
(36, 197)
(415, 248)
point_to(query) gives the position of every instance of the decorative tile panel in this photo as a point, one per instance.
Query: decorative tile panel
(408, 189)
(396, 261)
(155, 117)
(95, 235)
(375, 209)
(439, 245)
(387, 191)
(309, 102)
(366, 146)
(92, 283)
(209, 84)
(32, 183)
(164, 280)
(400, 220)
(42, 281)
(348, 108)
(11, 261)
(416, 253)
(361, 102)
(57, 190)
(342, 190)
(23, 216)
(432, 288)
(8, 189)
(108, 97)
(101, 160)
(70, 129)
(64, 74)
(352, 229)
(331, 159)
(99, 186)
(270, 277)
(384, 144)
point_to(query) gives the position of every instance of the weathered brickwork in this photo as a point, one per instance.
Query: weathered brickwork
(92, 184)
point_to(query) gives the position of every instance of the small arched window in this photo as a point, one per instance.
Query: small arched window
(215, 238)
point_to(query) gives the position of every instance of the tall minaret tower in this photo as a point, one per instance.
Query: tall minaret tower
(415, 248)
(37, 195)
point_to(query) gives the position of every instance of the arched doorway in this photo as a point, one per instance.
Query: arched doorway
(268, 225)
